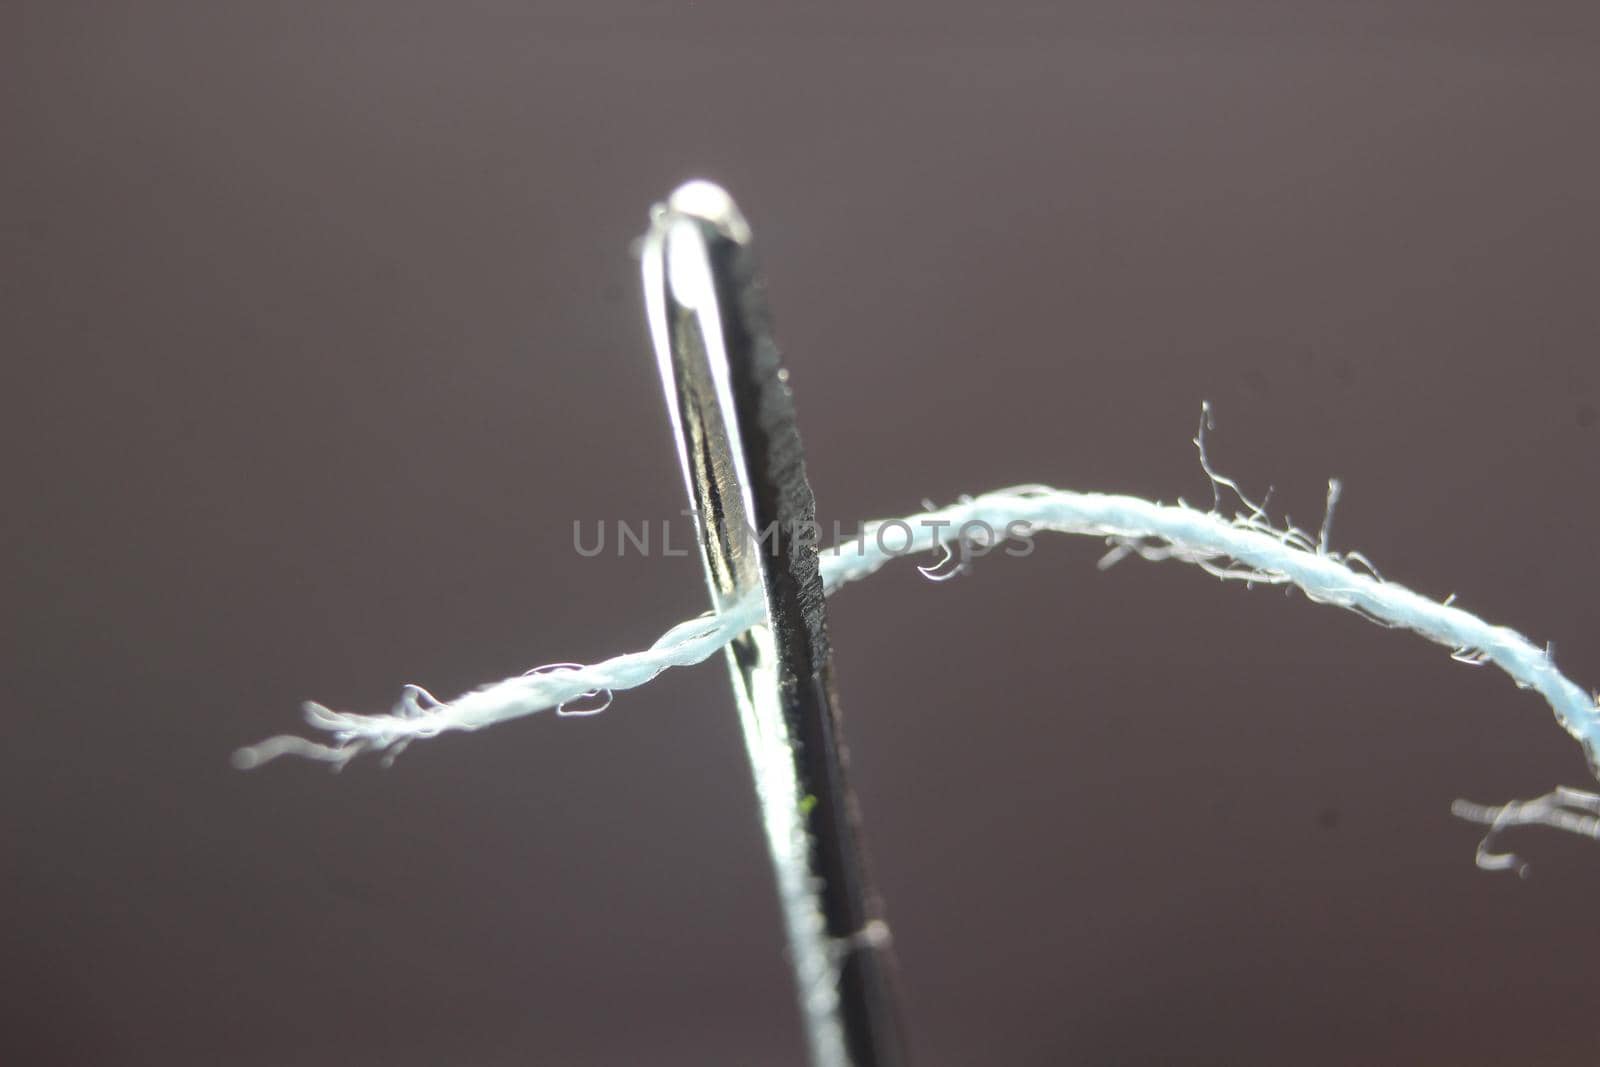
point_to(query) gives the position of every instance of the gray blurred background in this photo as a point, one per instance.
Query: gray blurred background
(320, 328)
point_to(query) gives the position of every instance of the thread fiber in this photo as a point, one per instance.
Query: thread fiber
(1244, 546)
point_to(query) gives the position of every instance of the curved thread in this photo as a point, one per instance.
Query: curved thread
(1242, 548)
(1246, 547)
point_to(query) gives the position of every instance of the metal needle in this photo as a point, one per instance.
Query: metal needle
(733, 420)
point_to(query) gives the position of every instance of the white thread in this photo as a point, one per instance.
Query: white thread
(1246, 547)
(1242, 548)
